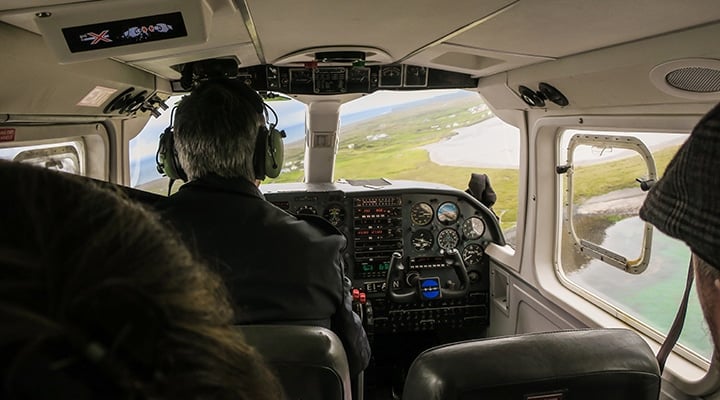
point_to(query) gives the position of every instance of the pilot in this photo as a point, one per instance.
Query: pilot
(280, 268)
(685, 204)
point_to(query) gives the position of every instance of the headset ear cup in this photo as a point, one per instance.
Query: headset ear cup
(167, 157)
(275, 153)
(260, 152)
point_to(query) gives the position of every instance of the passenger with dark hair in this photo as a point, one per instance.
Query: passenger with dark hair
(685, 204)
(99, 301)
(279, 268)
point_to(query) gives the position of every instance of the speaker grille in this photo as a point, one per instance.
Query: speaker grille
(695, 79)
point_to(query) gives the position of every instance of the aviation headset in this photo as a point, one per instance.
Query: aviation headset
(269, 150)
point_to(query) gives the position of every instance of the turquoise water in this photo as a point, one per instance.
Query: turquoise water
(653, 296)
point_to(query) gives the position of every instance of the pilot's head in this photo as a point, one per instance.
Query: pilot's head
(216, 128)
(685, 204)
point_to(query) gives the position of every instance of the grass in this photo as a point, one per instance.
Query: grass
(598, 179)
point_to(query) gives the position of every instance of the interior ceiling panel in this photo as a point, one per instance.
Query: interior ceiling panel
(22, 4)
(525, 32)
(557, 28)
(398, 27)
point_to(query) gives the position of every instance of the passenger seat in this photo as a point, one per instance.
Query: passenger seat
(594, 364)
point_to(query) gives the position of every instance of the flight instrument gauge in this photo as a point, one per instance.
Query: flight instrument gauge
(448, 213)
(448, 239)
(307, 210)
(422, 240)
(335, 214)
(421, 214)
(472, 254)
(391, 76)
(473, 228)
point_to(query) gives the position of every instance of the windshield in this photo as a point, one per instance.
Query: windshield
(440, 136)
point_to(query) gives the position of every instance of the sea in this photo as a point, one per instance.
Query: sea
(653, 296)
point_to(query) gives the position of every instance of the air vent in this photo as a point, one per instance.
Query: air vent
(697, 78)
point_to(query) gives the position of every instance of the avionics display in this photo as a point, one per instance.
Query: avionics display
(377, 233)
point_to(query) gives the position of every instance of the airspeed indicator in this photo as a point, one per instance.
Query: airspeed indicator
(421, 214)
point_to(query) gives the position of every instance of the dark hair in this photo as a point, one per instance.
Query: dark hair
(216, 127)
(99, 300)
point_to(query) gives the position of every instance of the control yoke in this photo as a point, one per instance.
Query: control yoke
(419, 288)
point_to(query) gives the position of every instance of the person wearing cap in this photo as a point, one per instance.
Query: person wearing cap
(685, 204)
(279, 268)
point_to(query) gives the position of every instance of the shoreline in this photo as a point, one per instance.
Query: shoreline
(466, 148)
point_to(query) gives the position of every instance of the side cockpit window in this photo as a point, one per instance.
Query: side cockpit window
(63, 157)
(607, 253)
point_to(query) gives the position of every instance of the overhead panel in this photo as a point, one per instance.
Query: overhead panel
(97, 30)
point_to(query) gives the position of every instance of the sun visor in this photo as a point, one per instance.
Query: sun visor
(106, 29)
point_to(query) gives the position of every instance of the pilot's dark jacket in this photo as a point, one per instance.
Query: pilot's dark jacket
(279, 268)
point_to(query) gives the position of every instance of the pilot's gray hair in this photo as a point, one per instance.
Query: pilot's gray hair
(215, 131)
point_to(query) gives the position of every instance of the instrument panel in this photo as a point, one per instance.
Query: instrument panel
(424, 226)
(419, 225)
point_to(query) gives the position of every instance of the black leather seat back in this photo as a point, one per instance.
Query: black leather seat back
(596, 364)
(309, 361)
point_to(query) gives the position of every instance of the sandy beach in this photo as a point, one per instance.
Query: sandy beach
(469, 148)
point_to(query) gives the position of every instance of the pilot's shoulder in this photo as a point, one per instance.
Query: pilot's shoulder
(319, 223)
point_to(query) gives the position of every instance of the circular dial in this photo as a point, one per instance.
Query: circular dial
(448, 213)
(472, 254)
(335, 214)
(473, 228)
(422, 240)
(421, 214)
(448, 239)
(306, 209)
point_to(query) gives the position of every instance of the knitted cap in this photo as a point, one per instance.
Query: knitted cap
(685, 202)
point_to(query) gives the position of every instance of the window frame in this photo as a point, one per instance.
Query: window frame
(542, 248)
(594, 250)
(95, 154)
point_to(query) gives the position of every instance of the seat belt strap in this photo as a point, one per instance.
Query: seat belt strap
(677, 325)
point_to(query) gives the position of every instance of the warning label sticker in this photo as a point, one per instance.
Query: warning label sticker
(7, 134)
(97, 96)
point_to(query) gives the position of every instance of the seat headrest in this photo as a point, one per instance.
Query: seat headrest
(309, 361)
(588, 364)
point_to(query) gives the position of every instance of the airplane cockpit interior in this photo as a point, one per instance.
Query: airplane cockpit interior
(485, 163)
